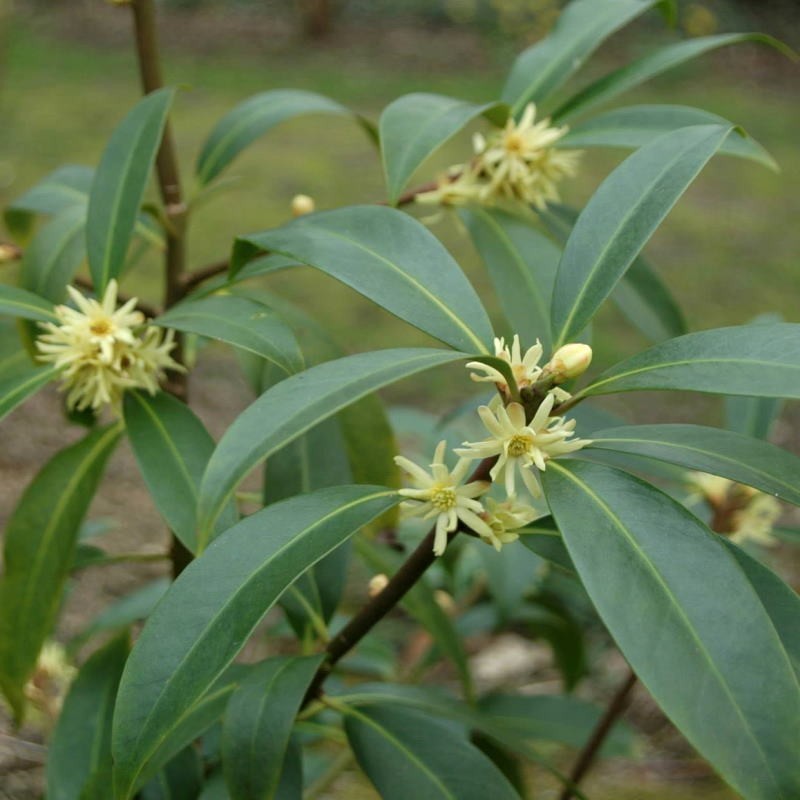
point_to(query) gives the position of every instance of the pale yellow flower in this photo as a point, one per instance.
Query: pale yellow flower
(505, 519)
(47, 687)
(438, 494)
(525, 368)
(569, 361)
(755, 521)
(520, 446)
(459, 186)
(103, 350)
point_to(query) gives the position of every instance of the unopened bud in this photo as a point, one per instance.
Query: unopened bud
(377, 584)
(302, 204)
(569, 361)
(9, 252)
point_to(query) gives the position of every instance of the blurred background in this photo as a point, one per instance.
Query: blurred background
(729, 250)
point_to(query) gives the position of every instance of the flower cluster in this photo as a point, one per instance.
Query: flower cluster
(519, 163)
(740, 512)
(104, 350)
(520, 447)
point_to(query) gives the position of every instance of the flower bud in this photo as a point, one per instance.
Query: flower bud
(302, 204)
(377, 584)
(569, 361)
(8, 252)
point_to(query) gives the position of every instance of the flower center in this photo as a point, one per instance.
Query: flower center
(443, 499)
(101, 327)
(519, 444)
(514, 143)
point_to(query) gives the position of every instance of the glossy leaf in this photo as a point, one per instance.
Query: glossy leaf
(252, 118)
(636, 126)
(543, 538)
(214, 606)
(522, 264)
(410, 754)
(388, 257)
(181, 779)
(20, 384)
(752, 416)
(241, 322)
(294, 406)
(654, 63)
(79, 754)
(414, 126)
(24, 304)
(39, 546)
(55, 254)
(258, 724)
(581, 28)
(740, 458)
(757, 360)
(620, 218)
(172, 448)
(657, 589)
(119, 185)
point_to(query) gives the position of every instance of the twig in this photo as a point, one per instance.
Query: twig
(587, 755)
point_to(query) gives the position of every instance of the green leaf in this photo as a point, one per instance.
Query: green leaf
(543, 538)
(119, 185)
(294, 406)
(258, 724)
(655, 63)
(21, 384)
(620, 218)
(757, 360)
(779, 600)
(752, 416)
(181, 779)
(244, 323)
(414, 126)
(740, 458)
(581, 28)
(22, 303)
(55, 254)
(64, 188)
(636, 126)
(677, 602)
(79, 754)
(39, 547)
(641, 295)
(172, 448)
(252, 118)
(214, 606)
(388, 257)
(554, 718)
(410, 754)
(522, 264)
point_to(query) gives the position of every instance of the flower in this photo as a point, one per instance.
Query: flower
(520, 445)
(526, 369)
(505, 519)
(569, 361)
(521, 163)
(438, 494)
(754, 522)
(102, 350)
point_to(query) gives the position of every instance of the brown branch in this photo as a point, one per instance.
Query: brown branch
(589, 752)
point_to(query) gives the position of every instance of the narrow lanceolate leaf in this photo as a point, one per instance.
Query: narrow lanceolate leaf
(22, 303)
(581, 28)
(241, 322)
(119, 185)
(740, 458)
(522, 266)
(216, 603)
(17, 387)
(416, 125)
(258, 724)
(252, 118)
(292, 407)
(79, 756)
(65, 187)
(39, 546)
(752, 416)
(411, 754)
(620, 218)
(641, 70)
(55, 254)
(390, 258)
(636, 126)
(780, 601)
(757, 360)
(657, 589)
(172, 448)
